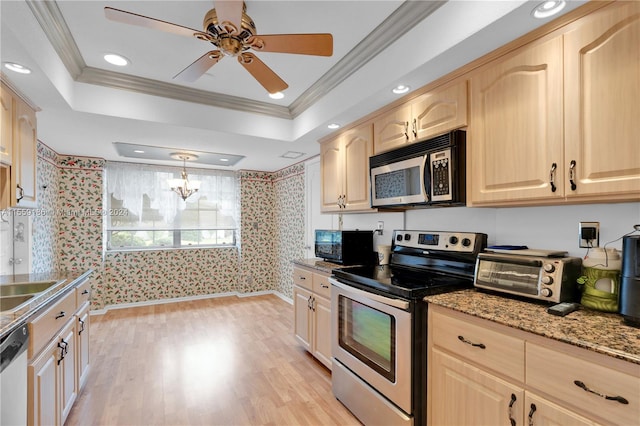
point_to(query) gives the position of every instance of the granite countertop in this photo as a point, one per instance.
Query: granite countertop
(63, 282)
(319, 264)
(594, 330)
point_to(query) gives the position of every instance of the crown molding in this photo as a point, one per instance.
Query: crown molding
(148, 86)
(403, 19)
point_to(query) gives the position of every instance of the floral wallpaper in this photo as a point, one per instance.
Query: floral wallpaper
(257, 231)
(71, 237)
(45, 224)
(289, 224)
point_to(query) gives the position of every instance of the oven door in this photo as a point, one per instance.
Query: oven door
(399, 183)
(372, 338)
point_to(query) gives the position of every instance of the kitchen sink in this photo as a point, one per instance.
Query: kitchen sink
(8, 303)
(25, 288)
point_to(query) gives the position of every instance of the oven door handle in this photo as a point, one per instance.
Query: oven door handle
(400, 304)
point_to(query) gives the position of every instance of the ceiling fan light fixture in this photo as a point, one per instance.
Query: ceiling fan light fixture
(276, 95)
(333, 126)
(548, 8)
(400, 89)
(16, 67)
(115, 59)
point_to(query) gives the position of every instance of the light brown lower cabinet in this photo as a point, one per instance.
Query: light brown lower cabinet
(474, 378)
(59, 358)
(312, 310)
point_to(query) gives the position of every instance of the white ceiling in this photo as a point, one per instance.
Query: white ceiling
(87, 104)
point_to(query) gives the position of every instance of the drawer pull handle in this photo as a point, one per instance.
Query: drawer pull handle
(477, 345)
(620, 399)
(513, 401)
(533, 410)
(302, 278)
(324, 286)
(60, 315)
(81, 325)
(85, 291)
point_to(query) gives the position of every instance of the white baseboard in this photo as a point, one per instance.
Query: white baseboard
(188, 298)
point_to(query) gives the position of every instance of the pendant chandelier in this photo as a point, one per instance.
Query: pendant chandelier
(183, 186)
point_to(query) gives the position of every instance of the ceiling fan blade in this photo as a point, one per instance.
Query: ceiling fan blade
(303, 44)
(261, 72)
(230, 11)
(199, 67)
(144, 21)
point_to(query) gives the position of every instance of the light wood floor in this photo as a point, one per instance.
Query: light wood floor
(222, 361)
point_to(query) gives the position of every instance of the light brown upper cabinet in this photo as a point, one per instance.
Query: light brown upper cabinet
(558, 119)
(430, 114)
(19, 138)
(344, 165)
(515, 149)
(602, 103)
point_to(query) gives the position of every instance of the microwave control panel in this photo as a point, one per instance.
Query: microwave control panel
(441, 184)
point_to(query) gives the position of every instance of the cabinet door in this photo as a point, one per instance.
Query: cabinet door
(516, 130)
(6, 131)
(358, 147)
(24, 164)
(392, 129)
(331, 168)
(439, 111)
(82, 353)
(302, 321)
(322, 330)
(67, 366)
(43, 387)
(462, 394)
(541, 412)
(602, 88)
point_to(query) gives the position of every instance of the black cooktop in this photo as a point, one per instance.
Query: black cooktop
(401, 282)
(422, 263)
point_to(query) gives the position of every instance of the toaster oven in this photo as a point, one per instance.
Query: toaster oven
(551, 279)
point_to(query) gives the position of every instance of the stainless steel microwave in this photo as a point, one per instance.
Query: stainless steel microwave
(431, 172)
(551, 279)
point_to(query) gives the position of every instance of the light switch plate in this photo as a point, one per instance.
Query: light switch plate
(583, 243)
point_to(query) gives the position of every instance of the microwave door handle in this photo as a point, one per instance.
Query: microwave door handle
(426, 179)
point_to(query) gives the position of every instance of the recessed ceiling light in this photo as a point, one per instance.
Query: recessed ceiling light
(138, 151)
(15, 67)
(548, 8)
(224, 160)
(277, 95)
(114, 59)
(333, 126)
(400, 89)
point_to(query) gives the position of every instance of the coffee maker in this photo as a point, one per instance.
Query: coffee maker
(629, 301)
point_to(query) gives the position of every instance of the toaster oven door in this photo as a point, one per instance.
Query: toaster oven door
(521, 278)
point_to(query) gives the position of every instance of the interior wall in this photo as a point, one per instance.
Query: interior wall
(545, 227)
(68, 235)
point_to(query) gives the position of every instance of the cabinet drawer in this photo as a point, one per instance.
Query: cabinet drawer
(83, 293)
(321, 285)
(47, 324)
(303, 278)
(555, 373)
(501, 353)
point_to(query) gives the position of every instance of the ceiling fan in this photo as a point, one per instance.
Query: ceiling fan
(233, 33)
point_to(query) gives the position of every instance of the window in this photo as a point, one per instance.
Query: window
(144, 213)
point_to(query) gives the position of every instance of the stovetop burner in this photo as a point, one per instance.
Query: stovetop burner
(422, 263)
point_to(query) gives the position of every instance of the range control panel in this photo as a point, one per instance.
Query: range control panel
(464, 242)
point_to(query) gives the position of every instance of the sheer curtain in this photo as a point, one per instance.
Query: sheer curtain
(130, 182)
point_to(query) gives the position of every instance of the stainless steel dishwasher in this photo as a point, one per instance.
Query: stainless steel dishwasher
(13, 377)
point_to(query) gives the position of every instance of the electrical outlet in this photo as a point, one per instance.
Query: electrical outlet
(380, 225)
(589, 234)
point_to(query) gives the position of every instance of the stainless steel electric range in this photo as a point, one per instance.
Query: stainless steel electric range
(379, 323)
